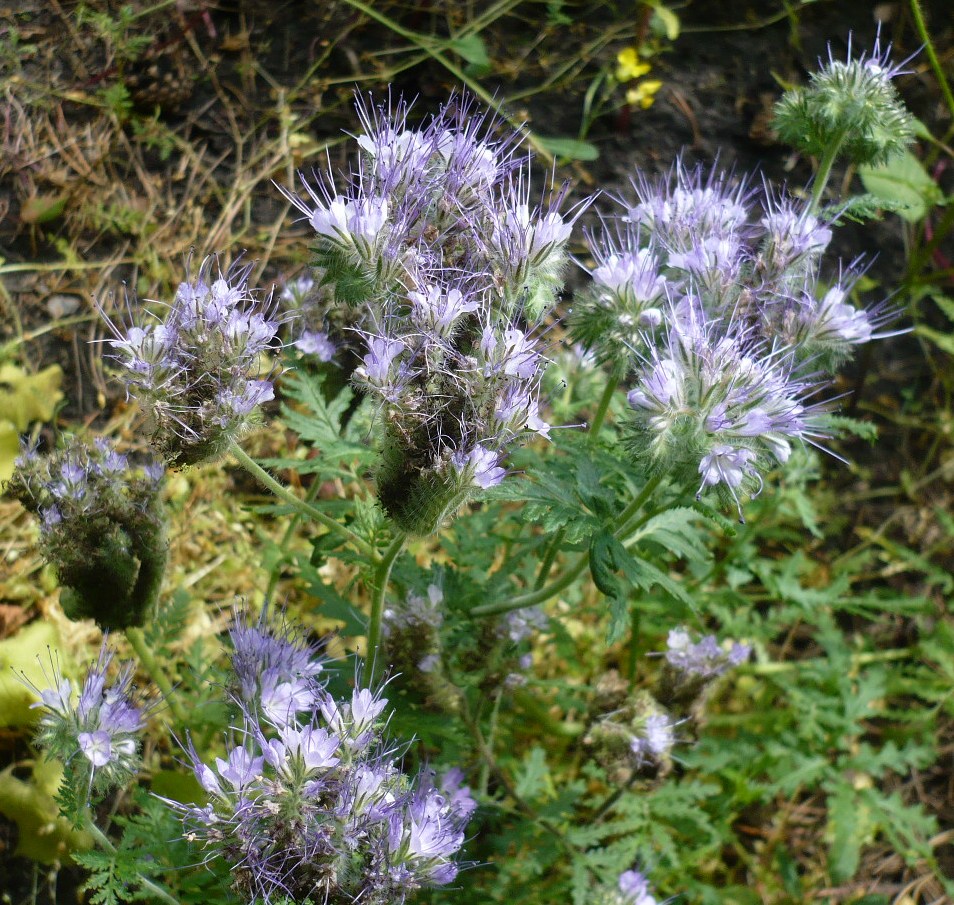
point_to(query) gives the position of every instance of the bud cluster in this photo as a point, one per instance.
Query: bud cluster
(198, 372)
(850, 107)
(97, 734)
(309, 801)
(102, 527)
(717, 299)
(434, 240)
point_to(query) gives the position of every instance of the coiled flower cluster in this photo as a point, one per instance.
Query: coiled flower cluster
(309, 801)
(102, 527)
(96, 734)
(692, 663)
(201, 370)
(435, 243)
(714, 295)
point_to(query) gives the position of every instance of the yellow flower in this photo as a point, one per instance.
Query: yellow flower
(629, 65)
(643, 94)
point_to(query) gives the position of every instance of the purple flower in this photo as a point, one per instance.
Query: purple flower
(655, 739)
(315, 343)
(198, 372)
(103, 725)
(703, 658)
(634, 889)
(381, 354)
(480, 463)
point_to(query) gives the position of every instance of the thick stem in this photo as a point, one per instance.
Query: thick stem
(158, 675)
(824, 173)
(103, 841)
(283, 493)
(382, 575)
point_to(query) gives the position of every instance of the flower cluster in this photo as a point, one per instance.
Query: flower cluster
(635, 736)
(102, 527)
(309, 802)
(313, 341)
(716, 296)
(692, 663)
(435, 242)
(97, 734)
(849, 107)
(704, 658)
(198, 372)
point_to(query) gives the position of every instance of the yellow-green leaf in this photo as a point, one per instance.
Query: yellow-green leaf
(25, 398)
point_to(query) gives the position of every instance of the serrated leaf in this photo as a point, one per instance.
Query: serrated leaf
(533, 778)
(903, 180)
(847, 831)
(603, 564)
(569, 148)
(675, 530)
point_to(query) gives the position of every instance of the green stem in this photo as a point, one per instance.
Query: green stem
(103, 841)
(541, 595)
(932, 55)
(824, 172)
(158, 675)
(549, 558)
(286, 538)
(382, 574)
(283, 493)
(609, 390)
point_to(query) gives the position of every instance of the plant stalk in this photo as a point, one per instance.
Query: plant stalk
(382, 575)
(137, 640)
(283, 493)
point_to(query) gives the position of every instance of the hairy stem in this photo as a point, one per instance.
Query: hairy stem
(382, 575)
(825, 164)
(158, 675)
(283, 493)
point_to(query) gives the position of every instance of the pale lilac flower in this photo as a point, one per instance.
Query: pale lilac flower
(634, 889)
(481, 464)
(102, 727)
(315, 343)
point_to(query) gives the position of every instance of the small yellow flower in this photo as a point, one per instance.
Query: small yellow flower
(643, 94)
(629, 65)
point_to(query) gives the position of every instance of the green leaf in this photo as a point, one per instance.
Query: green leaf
(945, 304)
(25, 398)
(676, 531)
(603, 563)
(568, 148)
(533, 778)
(665, 21)
(472, 48)
(903, 180)
(847, 830)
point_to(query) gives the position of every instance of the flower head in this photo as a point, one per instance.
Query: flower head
(198, 371)
(96, 731)
(314, 804)
(850, 106)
